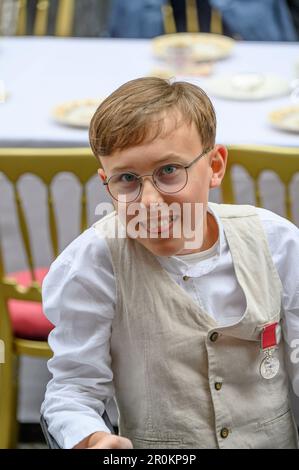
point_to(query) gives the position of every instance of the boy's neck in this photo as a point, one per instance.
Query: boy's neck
(210, 235)
(212, 232)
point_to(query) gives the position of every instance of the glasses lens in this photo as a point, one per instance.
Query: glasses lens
(170, 178)
(124, 187)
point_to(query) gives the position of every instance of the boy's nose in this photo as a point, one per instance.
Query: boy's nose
(149, 193)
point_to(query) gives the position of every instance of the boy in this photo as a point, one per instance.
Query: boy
(184, 330)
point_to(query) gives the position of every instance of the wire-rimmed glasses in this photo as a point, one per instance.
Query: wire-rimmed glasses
(169, 179)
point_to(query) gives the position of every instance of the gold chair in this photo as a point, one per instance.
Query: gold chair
(64, 17)
(283, 161)
(45, 164)
(192, 22)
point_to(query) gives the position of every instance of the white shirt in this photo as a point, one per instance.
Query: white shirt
(79, 297)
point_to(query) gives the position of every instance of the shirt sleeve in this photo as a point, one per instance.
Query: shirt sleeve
(283, 238)
(79, 299)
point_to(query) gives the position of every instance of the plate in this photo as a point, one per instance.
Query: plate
(286, 119)
(247, 86)
(76, 113)
(203, 46)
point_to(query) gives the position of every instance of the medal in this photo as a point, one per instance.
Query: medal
(270, 338)
(269, 366)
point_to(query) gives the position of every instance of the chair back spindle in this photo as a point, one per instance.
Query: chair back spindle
(46, 164)
(192, 19)
(64, 18)
(257, 160)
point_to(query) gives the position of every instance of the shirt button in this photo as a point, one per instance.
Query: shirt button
(224, 433)
(186, 278)
(214, 336)
(218, 385)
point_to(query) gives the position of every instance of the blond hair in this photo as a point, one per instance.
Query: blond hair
(135, 113)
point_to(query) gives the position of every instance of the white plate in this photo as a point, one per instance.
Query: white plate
(76, 113)
(286, 119)
(203, 46)
(247, 86)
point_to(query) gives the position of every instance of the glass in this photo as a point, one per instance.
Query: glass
(179, 57)
(169, 179)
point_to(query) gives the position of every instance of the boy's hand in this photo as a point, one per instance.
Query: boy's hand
(104, 440)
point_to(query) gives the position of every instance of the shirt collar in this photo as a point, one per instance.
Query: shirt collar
(196, 264)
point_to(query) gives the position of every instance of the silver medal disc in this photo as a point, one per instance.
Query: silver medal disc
(269, 367)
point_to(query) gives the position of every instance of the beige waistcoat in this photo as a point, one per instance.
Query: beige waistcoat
(165, 365)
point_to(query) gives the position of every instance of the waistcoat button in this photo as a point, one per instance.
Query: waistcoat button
(224, 433)
(214, 336)
(186, 278)
(218, 385)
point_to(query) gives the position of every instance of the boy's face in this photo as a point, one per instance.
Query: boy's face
(177, 144)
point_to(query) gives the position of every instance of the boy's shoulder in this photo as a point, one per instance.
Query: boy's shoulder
(88, 248)
(266, 216)
(106, 226)
(232, 210)
(276, 225)
(278, 229)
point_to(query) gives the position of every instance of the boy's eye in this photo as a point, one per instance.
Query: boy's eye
(127, 178)
(167, 170)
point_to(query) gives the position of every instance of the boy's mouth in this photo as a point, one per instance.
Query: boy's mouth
(159, 225)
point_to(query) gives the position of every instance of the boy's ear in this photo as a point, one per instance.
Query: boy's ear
(218, 165)
(102, 174)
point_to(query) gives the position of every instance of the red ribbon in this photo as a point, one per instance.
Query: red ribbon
(268, 336)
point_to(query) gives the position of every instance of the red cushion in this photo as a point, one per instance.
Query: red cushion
(28, 319)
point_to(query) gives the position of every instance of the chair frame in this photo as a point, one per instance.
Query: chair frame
(192, 22)
(14, 163)
(64, 18)
(284, 161)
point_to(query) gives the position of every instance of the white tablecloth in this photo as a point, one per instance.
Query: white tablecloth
(40, 73)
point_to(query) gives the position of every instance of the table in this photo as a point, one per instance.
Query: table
(40, 73)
